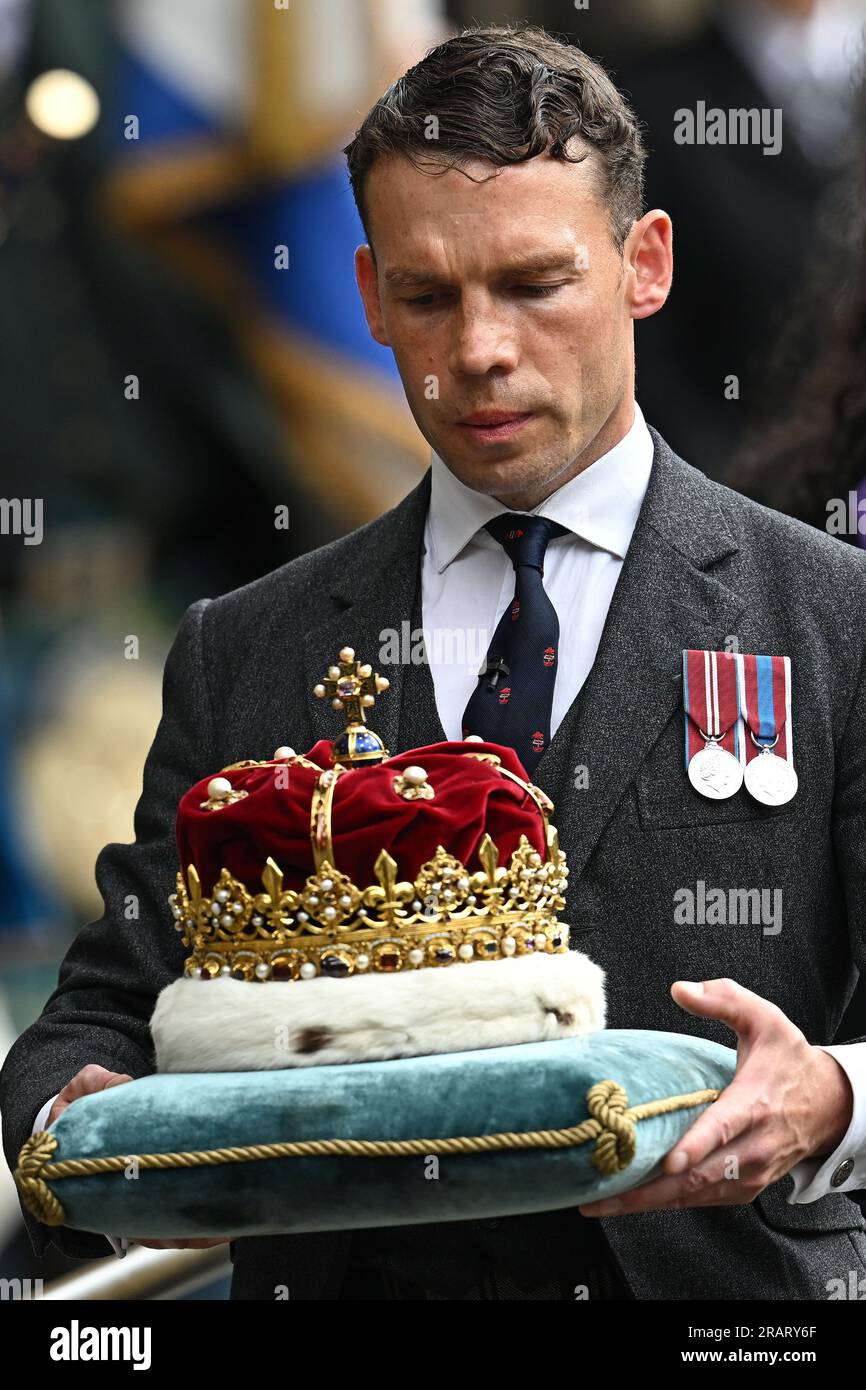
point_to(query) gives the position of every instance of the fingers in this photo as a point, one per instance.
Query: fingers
(726, 1175)
(666, 1194)
(91, 1078)
(86, 1082)
(729, 1002)
(718, 1128)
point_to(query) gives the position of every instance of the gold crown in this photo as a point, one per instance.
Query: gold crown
(333, 927)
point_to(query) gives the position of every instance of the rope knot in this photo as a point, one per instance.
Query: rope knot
(35, 1192)
(615, 1147)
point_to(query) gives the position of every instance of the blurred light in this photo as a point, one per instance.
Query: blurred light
(62, 104)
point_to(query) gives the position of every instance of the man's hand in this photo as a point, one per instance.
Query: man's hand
(95, 1078)
(788, 1101)
(91, 1078)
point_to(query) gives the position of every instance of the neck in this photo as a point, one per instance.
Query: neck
(612, 432)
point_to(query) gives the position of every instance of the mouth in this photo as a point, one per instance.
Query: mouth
(493, 426)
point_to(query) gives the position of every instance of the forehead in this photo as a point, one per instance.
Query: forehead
(502, 210)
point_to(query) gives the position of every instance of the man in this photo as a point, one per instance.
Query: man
(508, 259)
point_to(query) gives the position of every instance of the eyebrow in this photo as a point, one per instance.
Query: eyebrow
(404, 277)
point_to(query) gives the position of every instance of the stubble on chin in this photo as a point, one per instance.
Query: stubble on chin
(519, 483)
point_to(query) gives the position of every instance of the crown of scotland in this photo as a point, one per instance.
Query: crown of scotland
(347, 861)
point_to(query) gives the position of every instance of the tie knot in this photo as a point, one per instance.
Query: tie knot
(525, 538)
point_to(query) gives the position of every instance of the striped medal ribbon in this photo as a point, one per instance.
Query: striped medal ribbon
(765, 697)
(713, 726)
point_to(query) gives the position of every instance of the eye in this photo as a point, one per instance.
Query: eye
(421, 301)
(538, 291)
(429, 299)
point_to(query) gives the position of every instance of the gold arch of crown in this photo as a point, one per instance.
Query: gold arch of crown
(333, 927)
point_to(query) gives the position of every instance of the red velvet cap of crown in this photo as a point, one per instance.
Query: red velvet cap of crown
(472, 798)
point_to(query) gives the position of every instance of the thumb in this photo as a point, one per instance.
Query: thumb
(725, 1000)
(689, 994)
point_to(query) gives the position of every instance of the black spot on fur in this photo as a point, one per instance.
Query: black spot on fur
(313, 1039)
(563, 1018)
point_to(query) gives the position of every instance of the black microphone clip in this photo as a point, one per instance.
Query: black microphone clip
(494, 668)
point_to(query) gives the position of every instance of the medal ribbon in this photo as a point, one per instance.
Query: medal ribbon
(765, 697)
(711, 697)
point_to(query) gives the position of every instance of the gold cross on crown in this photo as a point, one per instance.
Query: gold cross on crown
(353, 687)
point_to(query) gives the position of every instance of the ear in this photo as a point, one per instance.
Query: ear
(367, 277)
(649, 263)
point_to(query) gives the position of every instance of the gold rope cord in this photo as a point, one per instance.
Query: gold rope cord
(612, 1124)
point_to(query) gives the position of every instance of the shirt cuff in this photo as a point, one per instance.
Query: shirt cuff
(119, 1244)
(845, 1169)
(39, 1122)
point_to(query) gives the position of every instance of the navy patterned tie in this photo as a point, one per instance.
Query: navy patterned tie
(514, 697)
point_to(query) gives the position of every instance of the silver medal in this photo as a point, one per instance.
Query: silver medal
(714, 772)
(770, 779)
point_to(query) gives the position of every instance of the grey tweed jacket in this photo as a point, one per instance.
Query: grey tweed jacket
(704, 564)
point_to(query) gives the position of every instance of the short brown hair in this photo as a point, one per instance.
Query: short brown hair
(506, 94)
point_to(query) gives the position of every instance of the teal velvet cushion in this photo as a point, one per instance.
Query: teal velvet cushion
(526, 1088)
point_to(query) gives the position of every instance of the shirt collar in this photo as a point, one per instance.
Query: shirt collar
(600, 505)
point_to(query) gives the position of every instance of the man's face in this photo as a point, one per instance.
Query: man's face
(509, 311)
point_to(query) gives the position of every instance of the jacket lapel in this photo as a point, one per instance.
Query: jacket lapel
(665, 600)
(372, 596)
(419, 716)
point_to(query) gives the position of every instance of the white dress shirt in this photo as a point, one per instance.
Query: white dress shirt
(467, 583)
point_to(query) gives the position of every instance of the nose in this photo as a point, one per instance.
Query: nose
(484, 340)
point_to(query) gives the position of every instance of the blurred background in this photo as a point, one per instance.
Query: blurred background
(187, 382)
